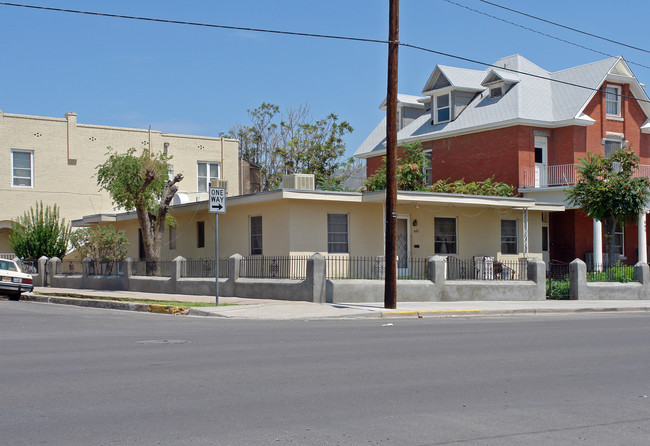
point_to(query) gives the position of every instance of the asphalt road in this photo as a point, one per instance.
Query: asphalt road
(81, 376)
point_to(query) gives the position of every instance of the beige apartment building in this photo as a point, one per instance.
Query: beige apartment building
(54, 160)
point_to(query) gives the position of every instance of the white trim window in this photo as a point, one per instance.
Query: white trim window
(427, 172)
(337, 233)
(619, 240)
(613, 100)
(442, 108)
(255, 231)
(22, 168)
(205, 173)
(445, 237)
(508, 236)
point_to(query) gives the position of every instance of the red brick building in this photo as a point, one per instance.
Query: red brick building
(529, 127)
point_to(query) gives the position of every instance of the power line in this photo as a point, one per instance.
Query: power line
(323, 36)
(539, 32)
(181, 22)
(566, 27)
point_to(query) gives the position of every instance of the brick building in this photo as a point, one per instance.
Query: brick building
(529, 130)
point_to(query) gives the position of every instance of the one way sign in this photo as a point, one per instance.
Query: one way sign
(217, 200)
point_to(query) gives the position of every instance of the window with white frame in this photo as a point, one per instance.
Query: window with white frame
(206, 172)
(508, 236)
(442, 108)
(256, 235)
(428, 168)
(444, 229)
(613, 100)
(22, 168)
(337, 233)
(619, 240)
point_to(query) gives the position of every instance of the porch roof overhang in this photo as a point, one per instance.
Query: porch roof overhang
(377, 197)
(91, 220)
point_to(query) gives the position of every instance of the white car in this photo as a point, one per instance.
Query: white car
(13, 282)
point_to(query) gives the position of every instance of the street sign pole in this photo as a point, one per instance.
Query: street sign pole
(217, 205)
(216, 258)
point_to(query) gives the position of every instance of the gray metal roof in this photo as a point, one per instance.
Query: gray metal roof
(528, 99)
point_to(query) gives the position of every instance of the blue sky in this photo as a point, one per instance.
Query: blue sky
(192, 80)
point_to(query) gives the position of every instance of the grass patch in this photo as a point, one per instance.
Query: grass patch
(173, 303)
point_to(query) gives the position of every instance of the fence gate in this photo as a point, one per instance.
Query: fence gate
(557, 280)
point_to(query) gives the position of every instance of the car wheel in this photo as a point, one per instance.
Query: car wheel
(14, 296)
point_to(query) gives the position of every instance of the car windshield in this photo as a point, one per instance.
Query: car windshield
(8, 265)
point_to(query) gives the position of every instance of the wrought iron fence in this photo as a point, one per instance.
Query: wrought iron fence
(29, 266)
(204, 268)
(280, 267)
(346, 267)
(617, 273)
(486, 268)
(70, 267)
(105, 268)
(162, 268)
(557, 280)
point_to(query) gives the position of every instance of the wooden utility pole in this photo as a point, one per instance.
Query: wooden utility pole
(390, 281)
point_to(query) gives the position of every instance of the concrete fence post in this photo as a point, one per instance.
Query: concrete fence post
(52, 269)
(436, 270)
(536, 269)
(234, 265)
(642, 275)
(85, 266)
(315, 278)
(178, 270)
(127, 270)
(577, 279)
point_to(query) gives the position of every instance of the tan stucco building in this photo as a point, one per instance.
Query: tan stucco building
(55, 160)
(294, 222)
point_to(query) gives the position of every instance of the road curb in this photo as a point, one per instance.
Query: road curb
(106, 304)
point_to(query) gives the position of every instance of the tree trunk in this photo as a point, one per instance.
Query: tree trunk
(610, 228)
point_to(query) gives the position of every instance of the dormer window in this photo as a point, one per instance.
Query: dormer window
(442, 108)
(496, 91)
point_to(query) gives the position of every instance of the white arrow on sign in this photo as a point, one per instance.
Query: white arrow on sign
(218, 200)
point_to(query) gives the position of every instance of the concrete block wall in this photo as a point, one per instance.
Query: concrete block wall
(581, 289)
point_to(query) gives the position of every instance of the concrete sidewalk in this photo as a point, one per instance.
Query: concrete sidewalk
(267, 309)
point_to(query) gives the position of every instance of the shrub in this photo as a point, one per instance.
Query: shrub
(39, 232)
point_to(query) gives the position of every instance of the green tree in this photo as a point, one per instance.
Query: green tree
(101, 244)
(291, 143)
(39, 232)
(141, 183)
(608, 191)
(410, 171)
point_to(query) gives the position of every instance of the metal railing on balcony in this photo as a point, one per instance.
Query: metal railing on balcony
(563, 175)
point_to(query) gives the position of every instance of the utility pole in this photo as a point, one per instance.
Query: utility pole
(390, 281)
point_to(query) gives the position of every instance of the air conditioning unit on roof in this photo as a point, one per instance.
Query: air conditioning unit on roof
(300, 181)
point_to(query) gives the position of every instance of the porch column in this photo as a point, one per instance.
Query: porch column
(525, 224)
(598, 245)
(642, 242)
